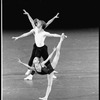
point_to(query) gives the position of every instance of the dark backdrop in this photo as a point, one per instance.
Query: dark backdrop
(73, 14)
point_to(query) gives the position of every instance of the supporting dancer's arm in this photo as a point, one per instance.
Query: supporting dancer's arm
(24, 35)
(53, 35)
(30, 18)
(32, 68)
(51, 20)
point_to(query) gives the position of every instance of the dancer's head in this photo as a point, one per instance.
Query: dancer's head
(36, 60)
(39, 23)
(36, 21)
(43, 24)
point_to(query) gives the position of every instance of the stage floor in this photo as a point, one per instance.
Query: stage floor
(77, 77)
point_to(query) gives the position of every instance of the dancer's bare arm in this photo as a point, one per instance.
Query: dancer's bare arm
(32, 68)
(53, 35)
(24, 35)
(51, 20)
(30, 18)
(50, 56)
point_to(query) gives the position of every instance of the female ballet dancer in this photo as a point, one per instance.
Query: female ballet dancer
(42, 69)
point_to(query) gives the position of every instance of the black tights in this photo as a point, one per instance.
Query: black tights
(39, 52)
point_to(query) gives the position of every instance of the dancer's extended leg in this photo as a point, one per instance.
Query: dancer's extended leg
(57, 55)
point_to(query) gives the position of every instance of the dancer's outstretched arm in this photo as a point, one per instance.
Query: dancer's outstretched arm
(24, 35)
(51, 20)
(30, 18)
(32, 68)
(53, 35)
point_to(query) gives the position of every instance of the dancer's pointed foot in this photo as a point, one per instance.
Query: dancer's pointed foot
(63, 36)
(44, 98)
(29, 77)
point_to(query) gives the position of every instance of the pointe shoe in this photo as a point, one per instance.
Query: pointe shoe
(63, 35)
(29, 77)
(28, 72)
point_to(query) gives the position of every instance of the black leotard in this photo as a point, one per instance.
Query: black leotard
(45, 70)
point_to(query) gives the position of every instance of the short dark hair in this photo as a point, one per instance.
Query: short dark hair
(43, 23)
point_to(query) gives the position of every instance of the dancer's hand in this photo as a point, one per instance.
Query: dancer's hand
(57, 15)
(19, 60)
(15, 38)
(25, 12)
(42, 64)
(65, 36)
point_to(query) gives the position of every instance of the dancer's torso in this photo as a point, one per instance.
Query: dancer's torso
(39, 37)
(44, 70)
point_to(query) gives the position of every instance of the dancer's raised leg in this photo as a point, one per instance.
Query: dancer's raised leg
(57, 55)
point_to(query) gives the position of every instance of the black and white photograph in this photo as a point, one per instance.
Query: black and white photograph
(49, 50)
